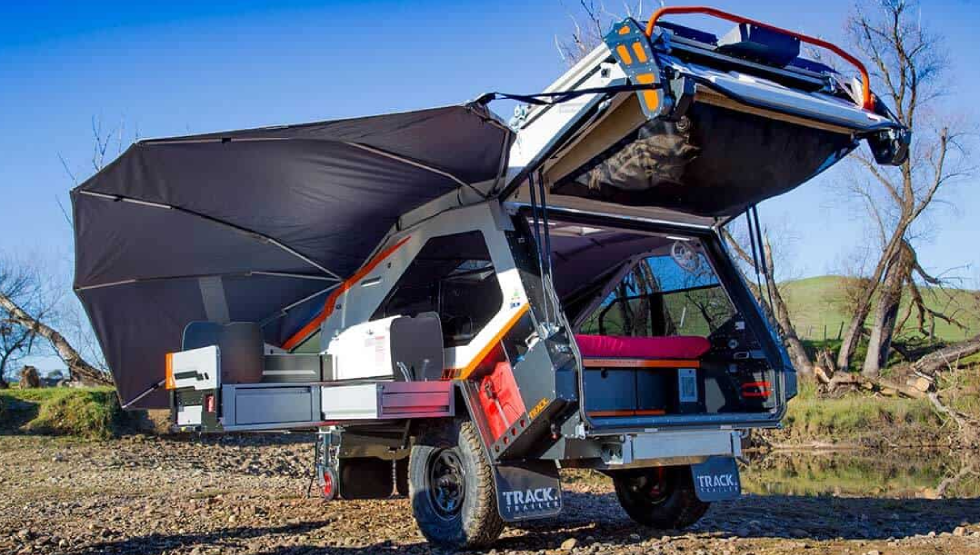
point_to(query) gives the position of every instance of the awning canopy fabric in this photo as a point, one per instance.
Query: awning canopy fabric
(255, 225)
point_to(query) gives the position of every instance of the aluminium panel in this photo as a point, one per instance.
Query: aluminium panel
(687, 443)
(351, 402)
(196, 368)
(275, 405)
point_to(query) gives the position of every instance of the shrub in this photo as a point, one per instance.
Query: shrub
(91, 413)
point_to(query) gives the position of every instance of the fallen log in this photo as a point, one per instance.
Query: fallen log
(881, 385)
(947, 357)
(78, 367)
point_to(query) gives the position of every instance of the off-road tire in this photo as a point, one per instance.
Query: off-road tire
(365, 478)
(401, 477)
(677, 506)
(476, 523)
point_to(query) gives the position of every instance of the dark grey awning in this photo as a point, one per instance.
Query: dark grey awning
(241, 225)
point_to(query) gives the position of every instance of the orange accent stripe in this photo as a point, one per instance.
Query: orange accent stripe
(643, 412)
(469, 368)
(639, 363)
(330, 304)
(601, 413)
(641, 54)
(624, 54)
(651, 98)
(169, 382)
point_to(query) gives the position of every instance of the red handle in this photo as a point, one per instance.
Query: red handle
(867, 101)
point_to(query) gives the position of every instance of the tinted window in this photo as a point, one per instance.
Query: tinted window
(658, 297)
(454, 277)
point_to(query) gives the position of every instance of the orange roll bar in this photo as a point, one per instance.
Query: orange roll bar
(867, 100)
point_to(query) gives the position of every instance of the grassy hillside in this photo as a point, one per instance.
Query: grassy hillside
(816, 303)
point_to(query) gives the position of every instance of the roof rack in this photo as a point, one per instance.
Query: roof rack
(867, 100)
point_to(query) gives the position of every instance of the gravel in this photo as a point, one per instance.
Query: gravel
(246, 494)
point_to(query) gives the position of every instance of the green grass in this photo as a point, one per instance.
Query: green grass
(91, 413)
(818, 302)
(858, 419)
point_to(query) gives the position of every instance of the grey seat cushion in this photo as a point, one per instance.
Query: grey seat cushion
(416, 347)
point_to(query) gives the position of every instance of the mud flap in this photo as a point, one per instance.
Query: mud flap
(716, 479)
(527, 490)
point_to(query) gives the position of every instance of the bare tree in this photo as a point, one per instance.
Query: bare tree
(777, 308)
(29, 297)
(78, 367)
(16, 341)
(33, 307)
(589, 25)
(909, 65)
(926, 316)
(65, 326)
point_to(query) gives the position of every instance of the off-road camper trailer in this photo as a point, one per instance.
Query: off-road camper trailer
(482, 304)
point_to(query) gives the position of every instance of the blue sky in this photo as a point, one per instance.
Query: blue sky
(178, 67)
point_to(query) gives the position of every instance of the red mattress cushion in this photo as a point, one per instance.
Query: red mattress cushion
(617, 346)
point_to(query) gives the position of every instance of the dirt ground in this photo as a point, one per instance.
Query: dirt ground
(152, 495)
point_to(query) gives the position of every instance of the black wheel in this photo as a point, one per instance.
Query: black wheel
(327, 478)
(365, 478)
(661, 497)
(452, 489)
(401, 476)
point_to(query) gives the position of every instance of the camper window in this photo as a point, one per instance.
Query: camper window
(660, 297)
(454, 277)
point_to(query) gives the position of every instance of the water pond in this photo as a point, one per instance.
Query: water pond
(860, 473)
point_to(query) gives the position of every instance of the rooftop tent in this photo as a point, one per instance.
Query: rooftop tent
(255, 225)
(714, 163)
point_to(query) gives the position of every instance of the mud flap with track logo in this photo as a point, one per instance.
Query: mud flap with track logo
(716, 479)
(528, 490)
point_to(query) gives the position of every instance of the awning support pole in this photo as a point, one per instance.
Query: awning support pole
(538, 245)
(151, 389)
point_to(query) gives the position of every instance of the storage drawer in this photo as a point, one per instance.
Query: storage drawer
(272, 406)
(610, 392)
(652, 389)
(388, 400)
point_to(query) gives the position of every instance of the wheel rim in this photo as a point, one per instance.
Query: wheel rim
(652, 487)
(327, 483)
(446, 485)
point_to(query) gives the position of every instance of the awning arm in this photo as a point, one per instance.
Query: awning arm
(282, 311)
(248, 273)
(415, 164)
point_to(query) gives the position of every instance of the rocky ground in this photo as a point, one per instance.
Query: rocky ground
(152, 495)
